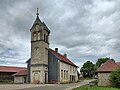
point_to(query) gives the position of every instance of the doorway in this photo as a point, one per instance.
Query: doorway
(45, 78)
(24, 79)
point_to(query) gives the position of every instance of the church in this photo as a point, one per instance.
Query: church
(46, 65)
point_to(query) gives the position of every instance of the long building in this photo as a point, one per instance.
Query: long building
(6, 72)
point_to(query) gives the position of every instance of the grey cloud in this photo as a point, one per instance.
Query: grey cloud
(85, 29)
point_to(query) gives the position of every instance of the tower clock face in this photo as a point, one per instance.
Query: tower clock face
(37, 28)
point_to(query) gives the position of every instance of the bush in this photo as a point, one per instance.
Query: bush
(6, 81)
(115, 77)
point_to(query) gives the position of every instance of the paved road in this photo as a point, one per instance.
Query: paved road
(59, 86)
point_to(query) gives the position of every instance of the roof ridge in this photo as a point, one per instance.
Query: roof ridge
(69, 62)
(118, 63)
(108, 66)
(13, 66)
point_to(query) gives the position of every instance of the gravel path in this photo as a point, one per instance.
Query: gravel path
(43, 86)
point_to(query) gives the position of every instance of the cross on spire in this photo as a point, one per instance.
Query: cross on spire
(37, 12)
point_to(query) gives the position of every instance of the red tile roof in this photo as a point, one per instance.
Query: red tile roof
(11, 69)
(62, 58)
(108, 66)
(118, 63)
(21, 73)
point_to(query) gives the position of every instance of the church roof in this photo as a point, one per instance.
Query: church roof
(46, 27)
(11, 69)
(108, 66)
(62, 58)
(39, 22)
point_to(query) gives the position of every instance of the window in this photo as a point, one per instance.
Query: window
(64, 74)
(36, 50)
(70, 68)
(38, 35)
(61, 73)
(75, 69)
(34, 36)
(67, 74)
(44, 37)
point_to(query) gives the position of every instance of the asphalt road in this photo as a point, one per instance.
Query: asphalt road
(59, 86)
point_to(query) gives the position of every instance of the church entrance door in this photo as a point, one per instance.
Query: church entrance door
(36, 78)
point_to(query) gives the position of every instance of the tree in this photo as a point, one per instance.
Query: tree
(87, 69)
(115, 77)
(100, 61)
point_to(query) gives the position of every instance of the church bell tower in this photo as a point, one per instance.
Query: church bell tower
(39, 51)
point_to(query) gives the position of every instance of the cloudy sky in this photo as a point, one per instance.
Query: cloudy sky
(84, 29)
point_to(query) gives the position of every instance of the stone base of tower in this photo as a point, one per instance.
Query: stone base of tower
(39, 75)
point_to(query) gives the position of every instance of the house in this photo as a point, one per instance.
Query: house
(6, 72)
(104, 72)
(60, 68)
(21, 77)
(46, 65)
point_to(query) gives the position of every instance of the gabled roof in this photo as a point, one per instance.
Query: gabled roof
(39, 22)
(28, 60)
(108, 66)
(11, 69)
(21, 73)
(62, 58)
(46, 28)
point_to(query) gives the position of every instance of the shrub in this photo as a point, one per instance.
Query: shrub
(6, 81)
(115, 77)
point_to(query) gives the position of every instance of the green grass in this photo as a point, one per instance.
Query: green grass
(87, 87)
(6, 81)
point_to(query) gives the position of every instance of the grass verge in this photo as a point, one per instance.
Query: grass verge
(87, 87)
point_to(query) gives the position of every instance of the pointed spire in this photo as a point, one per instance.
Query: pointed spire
(37, 12)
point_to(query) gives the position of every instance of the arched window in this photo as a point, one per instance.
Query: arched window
(36, 51)
(34, 36)
(38, 35)
(44, 37)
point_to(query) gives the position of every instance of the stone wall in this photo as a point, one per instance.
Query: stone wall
(39, 53)
(67, 72)
(103, 79)
(39, 62)
(39, 74)
(20, 79)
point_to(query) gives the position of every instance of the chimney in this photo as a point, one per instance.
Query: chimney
(56, 50)
(65, 55)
